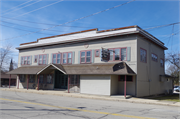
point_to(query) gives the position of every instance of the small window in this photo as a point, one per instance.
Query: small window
(97, 53)
(143, 54)
(22, 78)
(128, 78)
(154, 57)
(35, 58)
(162, 62)
(85, 57)
(49, 79)
(31, 78)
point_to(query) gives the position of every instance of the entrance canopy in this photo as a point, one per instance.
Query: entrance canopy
(78, 69)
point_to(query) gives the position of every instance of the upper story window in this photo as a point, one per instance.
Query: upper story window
(143, 54)
(162, 62)
(35, 58)
(42, 59)
(56, 58)
(25, 60)
(67, 58)
(97, 52)
(117, 54)
(154, 57)
(85, 56)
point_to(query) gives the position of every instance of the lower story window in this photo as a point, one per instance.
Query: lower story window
(122, 78)
(75, 79)
(41, 78)
(31, 78)
(22, 78)
(49, 79)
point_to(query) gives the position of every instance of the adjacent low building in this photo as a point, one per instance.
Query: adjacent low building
(119, 61)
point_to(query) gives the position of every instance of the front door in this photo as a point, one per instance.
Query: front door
(61, 80)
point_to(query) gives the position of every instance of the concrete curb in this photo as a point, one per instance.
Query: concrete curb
(136, 100)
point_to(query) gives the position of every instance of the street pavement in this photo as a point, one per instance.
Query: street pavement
(19, 105)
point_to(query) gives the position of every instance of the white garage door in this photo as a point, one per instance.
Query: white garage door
(96, 84)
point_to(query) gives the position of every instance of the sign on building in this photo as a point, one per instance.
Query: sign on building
(105, 54)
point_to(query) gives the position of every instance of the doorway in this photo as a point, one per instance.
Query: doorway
(61, 80)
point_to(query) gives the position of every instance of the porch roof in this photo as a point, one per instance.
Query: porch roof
(99, 68)
(79, 69)
(27, 70)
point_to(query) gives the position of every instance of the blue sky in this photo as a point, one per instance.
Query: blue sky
(145, 14)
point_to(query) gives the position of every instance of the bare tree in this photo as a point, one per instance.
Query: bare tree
(173, 59)
(174, 65)
(5, 55)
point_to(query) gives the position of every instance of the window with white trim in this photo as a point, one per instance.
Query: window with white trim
(143, 55)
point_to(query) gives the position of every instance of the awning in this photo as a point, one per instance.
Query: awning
(78, 69)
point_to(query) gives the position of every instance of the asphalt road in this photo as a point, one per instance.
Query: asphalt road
(17, 105)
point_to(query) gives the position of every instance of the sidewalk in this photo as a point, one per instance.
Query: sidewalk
(110, 98)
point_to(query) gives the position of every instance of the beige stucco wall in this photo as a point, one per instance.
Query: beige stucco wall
(115, 42)
(95, 84)
(117, 87)
(148, 73)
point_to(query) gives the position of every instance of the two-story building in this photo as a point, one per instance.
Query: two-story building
(74, 61)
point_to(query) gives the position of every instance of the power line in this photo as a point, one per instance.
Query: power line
(162, 26)
(17, 6)
(39, 8)
(23, 29)
(73, 20)
(28, 26)
(52, 24)
(22, 7)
